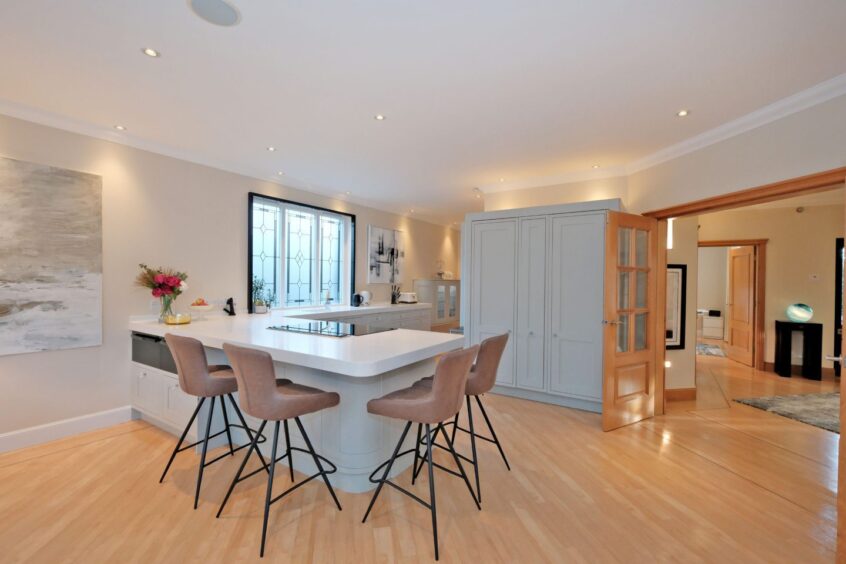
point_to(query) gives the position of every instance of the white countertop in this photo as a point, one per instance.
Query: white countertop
(362, 356)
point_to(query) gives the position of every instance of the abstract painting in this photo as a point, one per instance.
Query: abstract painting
(386, 255)
(50, 258)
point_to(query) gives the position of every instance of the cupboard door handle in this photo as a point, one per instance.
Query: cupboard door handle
(606, 322)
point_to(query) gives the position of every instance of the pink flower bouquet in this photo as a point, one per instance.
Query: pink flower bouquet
(165, 283)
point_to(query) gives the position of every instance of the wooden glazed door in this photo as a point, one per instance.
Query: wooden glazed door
(741, 310)
(629, 340)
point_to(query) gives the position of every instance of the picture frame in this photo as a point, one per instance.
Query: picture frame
(676, 306)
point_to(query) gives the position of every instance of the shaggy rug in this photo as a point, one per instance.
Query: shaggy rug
(709, 350)
(819, 410)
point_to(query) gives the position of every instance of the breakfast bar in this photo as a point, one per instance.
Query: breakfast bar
(359, 361)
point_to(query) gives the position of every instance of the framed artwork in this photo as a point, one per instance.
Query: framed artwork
(385, 255)
(51, 257)
(676, 302)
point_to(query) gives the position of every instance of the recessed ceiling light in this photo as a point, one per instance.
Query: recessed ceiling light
(502, 180)
(151, 52)
(120, 127)
(411, 210)
(271, 149)
(280, 173)
(682, 113)
(595, 166)
(379, 117)
(477, 192)
(347, 192)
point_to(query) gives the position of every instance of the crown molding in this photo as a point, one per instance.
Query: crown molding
(566, 178)
(815, 95)
(107, 133)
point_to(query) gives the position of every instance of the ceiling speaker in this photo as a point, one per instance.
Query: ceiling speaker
(217, 12)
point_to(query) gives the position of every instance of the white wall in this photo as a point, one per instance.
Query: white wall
(681, 372)
(587, 190)
(162, 211)
(711, 290)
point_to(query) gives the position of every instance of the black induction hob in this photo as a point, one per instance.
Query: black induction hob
(330, 328)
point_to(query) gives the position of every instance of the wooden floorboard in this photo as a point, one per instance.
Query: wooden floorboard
(695, 485)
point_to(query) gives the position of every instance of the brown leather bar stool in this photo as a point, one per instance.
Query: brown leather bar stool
(480, 381)
(266, 398)
(426, 406)
(199, 379)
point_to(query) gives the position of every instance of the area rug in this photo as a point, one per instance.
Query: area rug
(819, 410)
(709, 350)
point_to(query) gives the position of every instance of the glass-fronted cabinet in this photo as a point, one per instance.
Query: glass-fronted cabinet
(445, 296)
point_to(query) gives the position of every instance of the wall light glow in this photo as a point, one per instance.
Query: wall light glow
(670, 232)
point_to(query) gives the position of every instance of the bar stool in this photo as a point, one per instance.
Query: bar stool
(426, 406)
(480, 381)
(198, 379)
(266, 398)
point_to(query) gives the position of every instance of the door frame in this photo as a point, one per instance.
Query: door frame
(817, 182)
(759, 306)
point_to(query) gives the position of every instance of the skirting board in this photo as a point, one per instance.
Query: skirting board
(39, 434)
(680, 394)
(563, 401)
(796, 369)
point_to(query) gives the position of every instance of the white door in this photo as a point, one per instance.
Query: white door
(493, 268)
(531, 306)
(575, 301)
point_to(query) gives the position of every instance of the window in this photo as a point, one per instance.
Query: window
(302, 254)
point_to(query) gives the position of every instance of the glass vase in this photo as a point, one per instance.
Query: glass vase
(166, 308)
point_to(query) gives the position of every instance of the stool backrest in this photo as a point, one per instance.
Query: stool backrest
(450, 380)
(483, 374)
(191, 364)
(256, 378)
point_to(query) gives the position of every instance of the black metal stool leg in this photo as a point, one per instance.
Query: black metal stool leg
(416, 453)
(317, 462)
(226, 423)
(387, 471)
(288, 451)
(493, 433)
(432, 487)
(422, 460)
(269, 487)
(247, 429)
(451, 450)
(473, 448)
(203, 455)
(182, 438)
(253, 446)
(455, 426)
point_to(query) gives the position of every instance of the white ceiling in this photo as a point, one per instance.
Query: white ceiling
(473, 91)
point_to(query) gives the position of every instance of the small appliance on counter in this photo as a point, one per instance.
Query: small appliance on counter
(407, 298)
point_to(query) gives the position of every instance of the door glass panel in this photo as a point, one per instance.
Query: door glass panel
(640, 331)
(623, 288)
(623, 334)
(641, 279)
(441, 301)
(453, 300)
(624, 246)
(641, 247)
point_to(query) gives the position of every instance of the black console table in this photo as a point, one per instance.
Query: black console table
(811, 348)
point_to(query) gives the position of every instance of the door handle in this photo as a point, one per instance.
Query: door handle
(834, 358)
(606, 322)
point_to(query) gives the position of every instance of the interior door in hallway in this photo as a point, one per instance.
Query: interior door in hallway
(629, 343)
(741, 310)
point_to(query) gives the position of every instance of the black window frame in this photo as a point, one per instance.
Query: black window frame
(251, 197)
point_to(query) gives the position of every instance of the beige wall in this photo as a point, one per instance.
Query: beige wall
(162, 211)
(681, 372)
(801, 247)
(711, 290)
(587, 190)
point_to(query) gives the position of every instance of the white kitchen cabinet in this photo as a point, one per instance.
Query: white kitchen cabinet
(538, 273)
(529, 337)
(494, 285)
(147, 388)
(445, 297)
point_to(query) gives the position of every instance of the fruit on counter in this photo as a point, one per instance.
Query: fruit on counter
(199, 302)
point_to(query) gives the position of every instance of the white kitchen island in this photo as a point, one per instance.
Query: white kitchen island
(359, 368)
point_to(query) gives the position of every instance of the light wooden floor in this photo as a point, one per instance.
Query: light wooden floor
(711, 481)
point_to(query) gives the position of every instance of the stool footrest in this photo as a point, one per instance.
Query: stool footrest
(266, 467)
